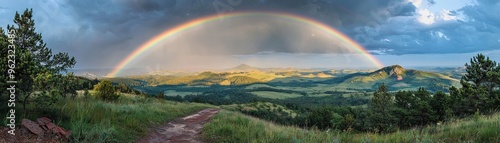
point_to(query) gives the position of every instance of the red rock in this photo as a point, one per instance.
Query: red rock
(61, 131)
(45, 128)
(51, 126)
(68, 134)
(44, 120)
(32, 127)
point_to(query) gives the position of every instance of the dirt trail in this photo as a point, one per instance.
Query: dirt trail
(182, 130)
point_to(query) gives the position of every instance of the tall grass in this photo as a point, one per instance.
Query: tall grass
(126, 120)
(234, 127)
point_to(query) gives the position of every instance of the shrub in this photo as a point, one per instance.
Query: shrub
(106, 91)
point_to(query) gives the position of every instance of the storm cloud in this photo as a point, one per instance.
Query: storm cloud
(101, 33)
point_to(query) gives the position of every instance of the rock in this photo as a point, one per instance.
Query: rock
(45, 129)
(50, 126)
(42, 121)
(32, 127)
(399, 78)
(68, 134)
(60, 131)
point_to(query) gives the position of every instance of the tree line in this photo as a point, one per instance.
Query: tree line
(388, 112)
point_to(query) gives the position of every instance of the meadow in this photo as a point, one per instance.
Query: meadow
(228, 126)
(125, 120)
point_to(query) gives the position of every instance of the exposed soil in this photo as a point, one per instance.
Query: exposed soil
(181, 130)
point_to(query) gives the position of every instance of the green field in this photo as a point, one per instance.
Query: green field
(275, 108)
(180, 93)
(126, 120)
(275, 95)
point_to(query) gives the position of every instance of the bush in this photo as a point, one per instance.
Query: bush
(106, 91)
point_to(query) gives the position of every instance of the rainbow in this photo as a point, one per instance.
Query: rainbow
(185, 26)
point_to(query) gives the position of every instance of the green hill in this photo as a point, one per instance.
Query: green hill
(397, 78)
(242, 68)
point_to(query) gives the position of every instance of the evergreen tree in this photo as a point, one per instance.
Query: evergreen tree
(424, 110)
(320, 118)
(481, 72)
(380, 118)
(479, 84)
(440, 103)
(4, 94)
(405, 109)
(35, 59)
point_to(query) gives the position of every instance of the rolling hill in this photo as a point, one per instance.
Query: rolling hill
(242, 68)
(397, 78)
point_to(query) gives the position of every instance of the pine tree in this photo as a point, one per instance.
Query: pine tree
(34, 59)
(440, 103)
(380, 111)
(425, 112)
(479, 83)
(4, 94)
(404, 110)
(481, 72)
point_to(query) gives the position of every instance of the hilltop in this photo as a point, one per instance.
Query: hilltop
(397, 78)
(242, 68)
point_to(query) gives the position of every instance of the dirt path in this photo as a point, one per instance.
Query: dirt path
(182, 130)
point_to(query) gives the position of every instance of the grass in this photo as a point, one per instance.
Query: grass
(261, 76)
(235, 127)
(180, 93)
(275, 95)
(271, 107)
(126, 120)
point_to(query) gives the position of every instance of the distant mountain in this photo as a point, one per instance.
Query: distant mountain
(454, 72)
(397, 78)
(103, 72)
(242, 68)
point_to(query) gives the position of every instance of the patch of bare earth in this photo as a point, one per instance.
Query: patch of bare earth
(181, 130)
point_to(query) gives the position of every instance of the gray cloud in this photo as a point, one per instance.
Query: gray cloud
(101, 33)
(120, 26)
(475, 30)
(431, 2)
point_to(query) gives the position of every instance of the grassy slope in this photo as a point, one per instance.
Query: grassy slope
(275, 95)
(126, 120)
(271, 107)
(234, 127)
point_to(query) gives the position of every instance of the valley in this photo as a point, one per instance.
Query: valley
(282, 83)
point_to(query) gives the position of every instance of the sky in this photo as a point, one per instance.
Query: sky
(99, 34)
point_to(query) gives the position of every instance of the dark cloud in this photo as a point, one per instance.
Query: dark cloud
(407, 9)
(431, 2)
(112, 29)
(120, 26)
(487, 11)
(476, 29)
